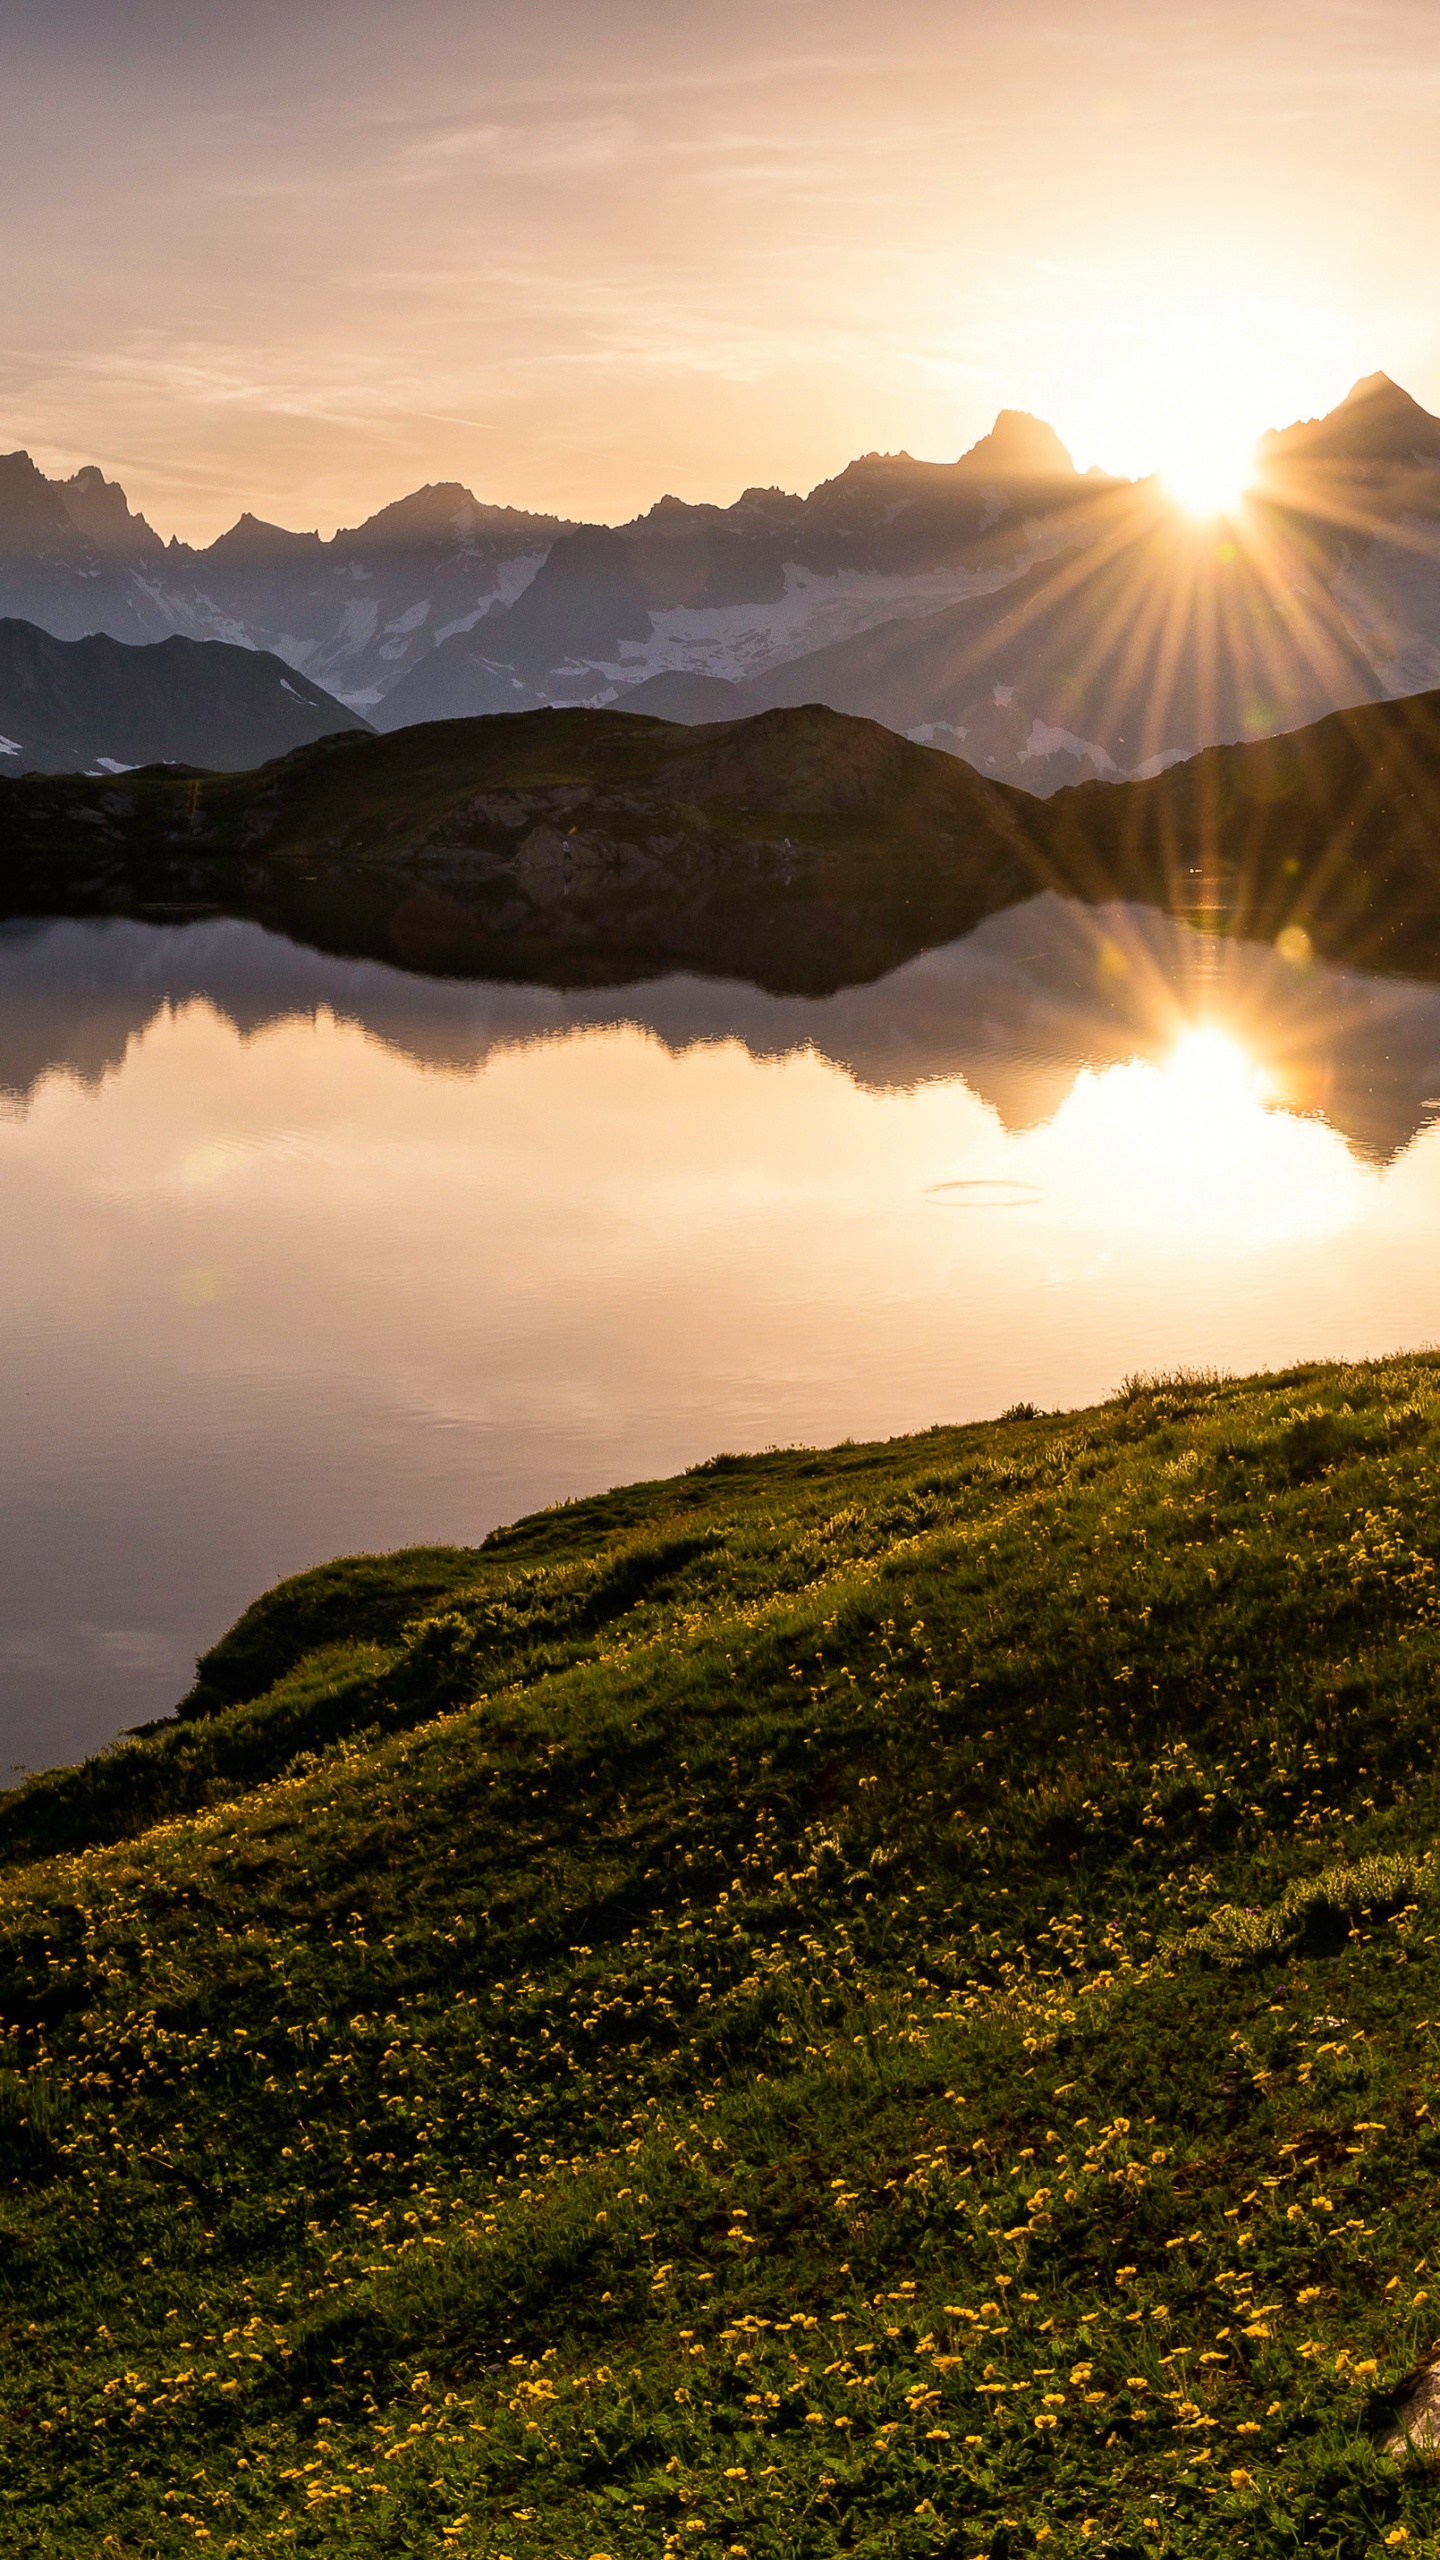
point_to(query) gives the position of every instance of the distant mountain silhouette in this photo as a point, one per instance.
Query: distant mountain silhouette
(349, 614)
(70, 706)
(1042, 624)
(888, 535)
(1376, 423)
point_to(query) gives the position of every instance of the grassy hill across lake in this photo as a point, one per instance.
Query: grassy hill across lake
(876, 2000)
(799, 848)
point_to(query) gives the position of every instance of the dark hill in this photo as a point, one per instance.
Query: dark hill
(1333, 830)
(69, 705)
(800, 849)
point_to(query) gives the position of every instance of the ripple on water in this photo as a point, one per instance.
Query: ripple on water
(983, 1195)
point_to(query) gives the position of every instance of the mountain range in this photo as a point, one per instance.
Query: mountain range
(75, 706)
(352, 614)
(1045, 625)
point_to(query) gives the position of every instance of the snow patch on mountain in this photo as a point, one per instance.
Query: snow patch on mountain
(1389, 596)
(513, 576)
(1045, 741)
(511, 580)
(359, 622)
(739, 641)
(193, 615)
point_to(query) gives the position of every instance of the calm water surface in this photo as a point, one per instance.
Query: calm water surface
(302, 1256)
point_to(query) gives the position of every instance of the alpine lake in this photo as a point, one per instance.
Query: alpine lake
(305, 1256)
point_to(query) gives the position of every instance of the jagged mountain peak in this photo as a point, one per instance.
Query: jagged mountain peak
(102, 512)
(251, 542)
(1380, 407)
(1377, 395)
(677, 515)
(1019, 446)
(1377, 386)
(32, 512)
(445, 511)
(869, 467)
(440, 506)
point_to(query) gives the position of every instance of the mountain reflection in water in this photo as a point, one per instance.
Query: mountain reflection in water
(1015, 1011)
(305, 1255)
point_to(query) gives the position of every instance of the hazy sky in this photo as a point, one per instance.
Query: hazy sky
(303, 255)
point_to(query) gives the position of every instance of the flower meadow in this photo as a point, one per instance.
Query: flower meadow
(882, 1999)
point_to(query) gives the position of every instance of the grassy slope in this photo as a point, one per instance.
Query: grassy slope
(864, 2001)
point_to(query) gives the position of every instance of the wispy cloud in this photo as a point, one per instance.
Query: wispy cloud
(591, 247)
(577, 148)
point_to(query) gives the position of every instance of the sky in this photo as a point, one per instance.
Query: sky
(301, 256)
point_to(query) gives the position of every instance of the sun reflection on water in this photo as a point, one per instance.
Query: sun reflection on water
(1208, 1064)
(1202, 1141)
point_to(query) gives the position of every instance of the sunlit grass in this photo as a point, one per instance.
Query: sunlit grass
(850, 2000)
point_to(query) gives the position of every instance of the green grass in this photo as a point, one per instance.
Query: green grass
(875, 2000)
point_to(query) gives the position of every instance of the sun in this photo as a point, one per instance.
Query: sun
(1210, 475)
(1186, 372)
